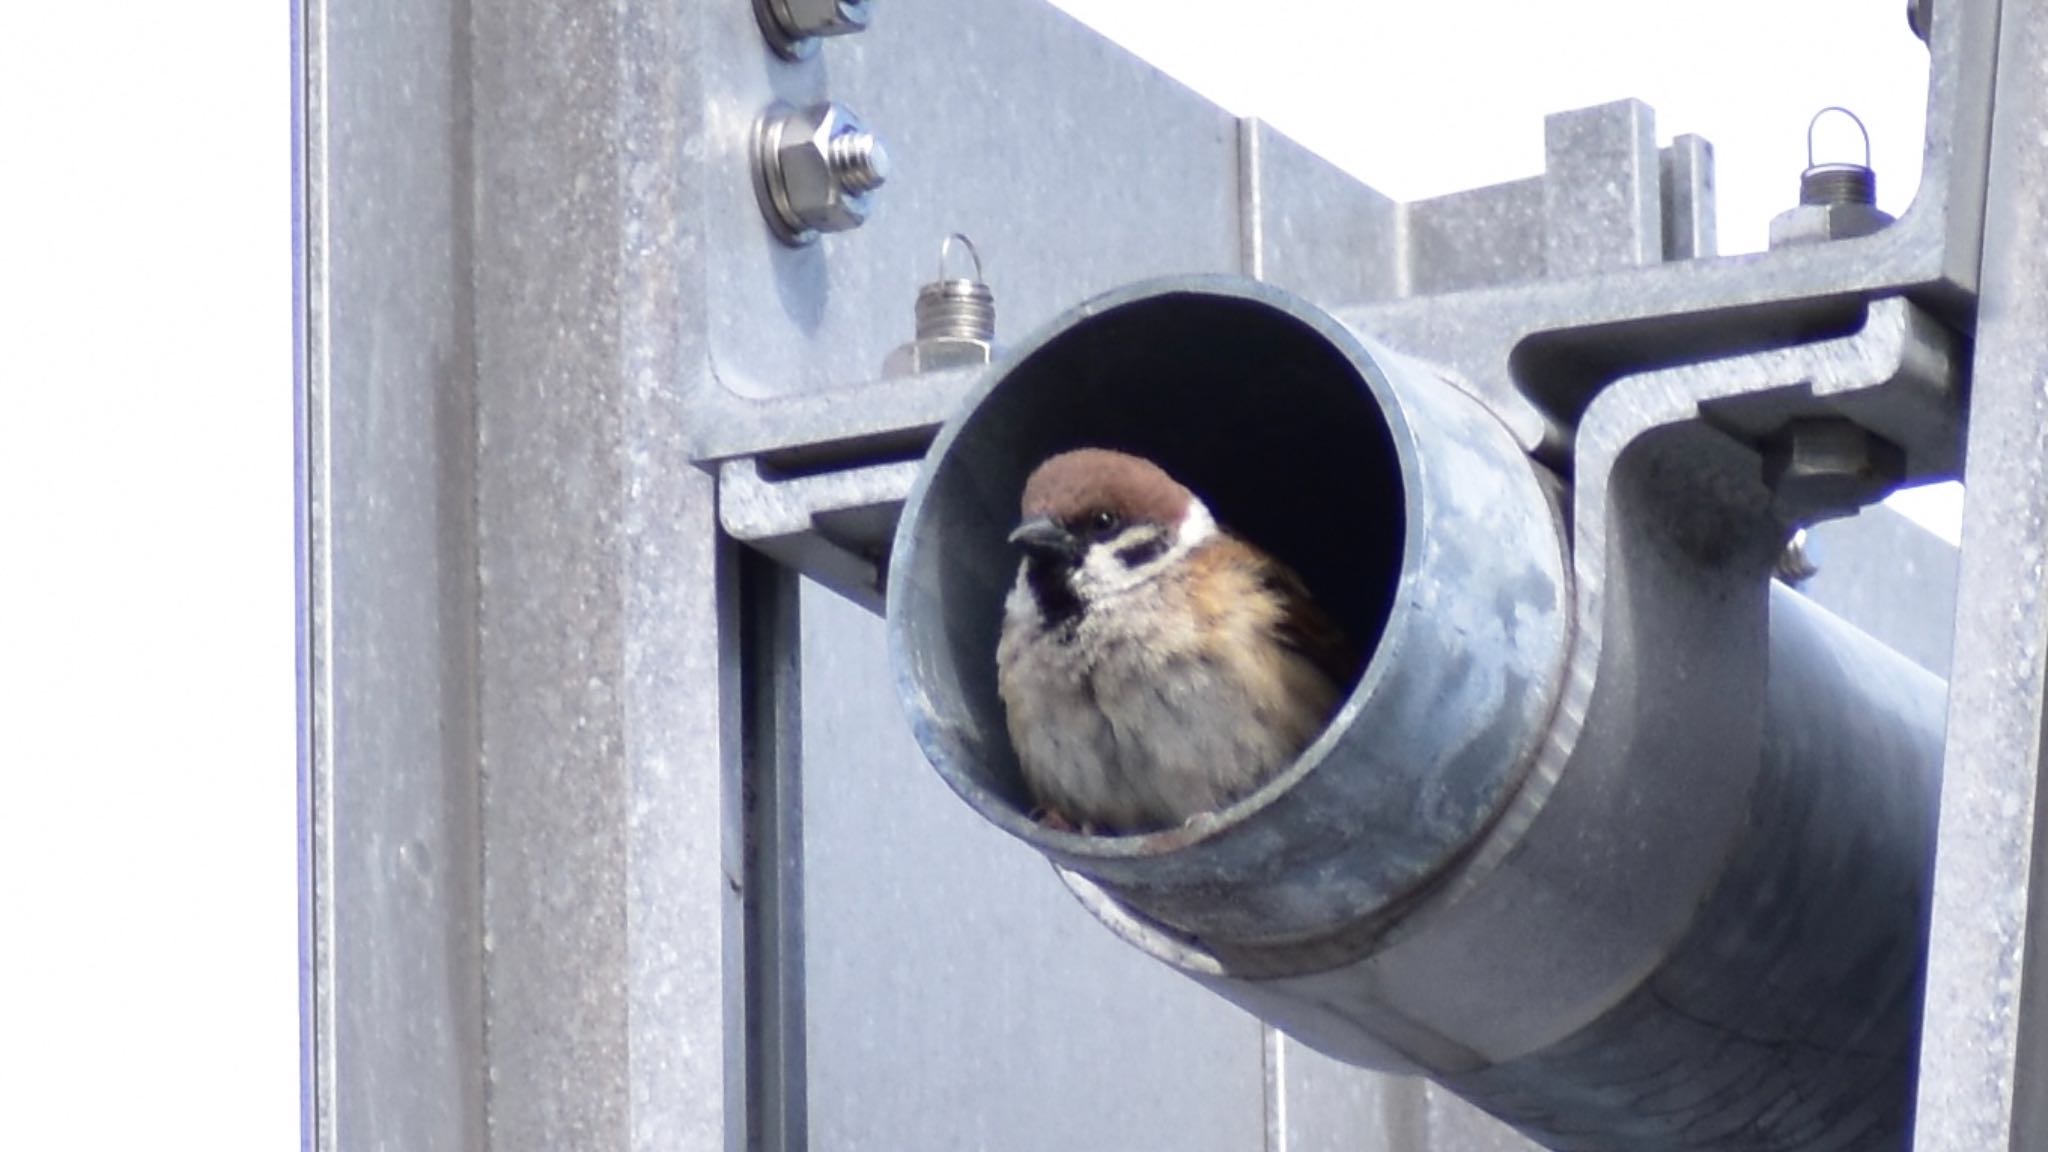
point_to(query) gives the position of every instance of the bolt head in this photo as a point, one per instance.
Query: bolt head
(812, 196)
(1819, 223)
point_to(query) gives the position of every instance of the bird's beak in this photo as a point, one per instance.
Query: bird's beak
(1043, 536)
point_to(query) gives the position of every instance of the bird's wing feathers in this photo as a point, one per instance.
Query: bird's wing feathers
(1291, 616)
(1304, 627)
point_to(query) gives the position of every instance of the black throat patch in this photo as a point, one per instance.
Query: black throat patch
(1051, 586)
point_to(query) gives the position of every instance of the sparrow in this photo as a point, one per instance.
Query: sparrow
(1153, 666)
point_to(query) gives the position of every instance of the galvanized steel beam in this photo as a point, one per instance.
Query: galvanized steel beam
(1984, 1067)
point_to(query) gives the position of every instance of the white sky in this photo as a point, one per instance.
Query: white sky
(148, 952)
(148, 983)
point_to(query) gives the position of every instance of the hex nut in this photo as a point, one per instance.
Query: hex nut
(937, 353)
(1818, 223)
(814, 168)
(1823, 467)
(820, 17)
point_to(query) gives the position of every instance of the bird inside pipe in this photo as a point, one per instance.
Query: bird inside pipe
(1154, 666)
(1266, 413)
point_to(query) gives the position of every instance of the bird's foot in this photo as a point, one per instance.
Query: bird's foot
(1054, 819)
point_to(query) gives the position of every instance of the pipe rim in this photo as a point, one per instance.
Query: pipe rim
(1074, 848)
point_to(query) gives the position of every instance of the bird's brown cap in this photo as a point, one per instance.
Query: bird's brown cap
(1077, 484)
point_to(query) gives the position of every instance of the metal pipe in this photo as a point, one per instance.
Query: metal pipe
(1634, 858)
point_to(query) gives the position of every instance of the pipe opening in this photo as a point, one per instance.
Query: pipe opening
(1265, 413)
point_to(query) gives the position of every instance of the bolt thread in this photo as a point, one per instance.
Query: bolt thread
(1838, 184)
(1796, 564)
(858, 162)
(956, 309)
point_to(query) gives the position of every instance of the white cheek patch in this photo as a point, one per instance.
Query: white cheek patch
(1103, 572)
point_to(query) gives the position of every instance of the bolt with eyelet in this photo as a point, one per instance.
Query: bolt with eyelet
(815, 170)
(956, 317)
(1837, 199)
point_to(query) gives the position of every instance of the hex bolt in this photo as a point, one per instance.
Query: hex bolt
(1818, 468)
(794, 28)
(1837, 199)
(814, 170)
(956, 318)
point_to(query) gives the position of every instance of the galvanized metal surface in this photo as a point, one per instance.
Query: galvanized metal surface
(1890, 578)
(542, 262)
(865, 987)
(1785, 1018)
(1880, 572)
(1496, 285)
(612, 859)
(1602, 191)
(483, 210)
(957, 996)
(817, 480)
(1538, 351)
(990, 121)
(772, 802)
(929, 931)
(1667, 872)
(399, 1007)
(602, 996)
(1982, 1068)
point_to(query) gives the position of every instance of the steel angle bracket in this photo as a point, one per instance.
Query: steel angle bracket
(1519, 292)
(1672, 486)
(817, 482)
(1673, 491)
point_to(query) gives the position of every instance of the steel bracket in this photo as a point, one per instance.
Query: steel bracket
(1534, 295)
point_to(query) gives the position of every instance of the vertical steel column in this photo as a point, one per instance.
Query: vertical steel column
(609, 711)
(523, 664)
(771, 687)
(393, 835)
(1984, 1055)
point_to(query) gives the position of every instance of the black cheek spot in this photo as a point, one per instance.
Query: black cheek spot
(1143, 551)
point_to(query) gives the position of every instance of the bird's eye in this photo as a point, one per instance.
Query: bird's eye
(1104, 522)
